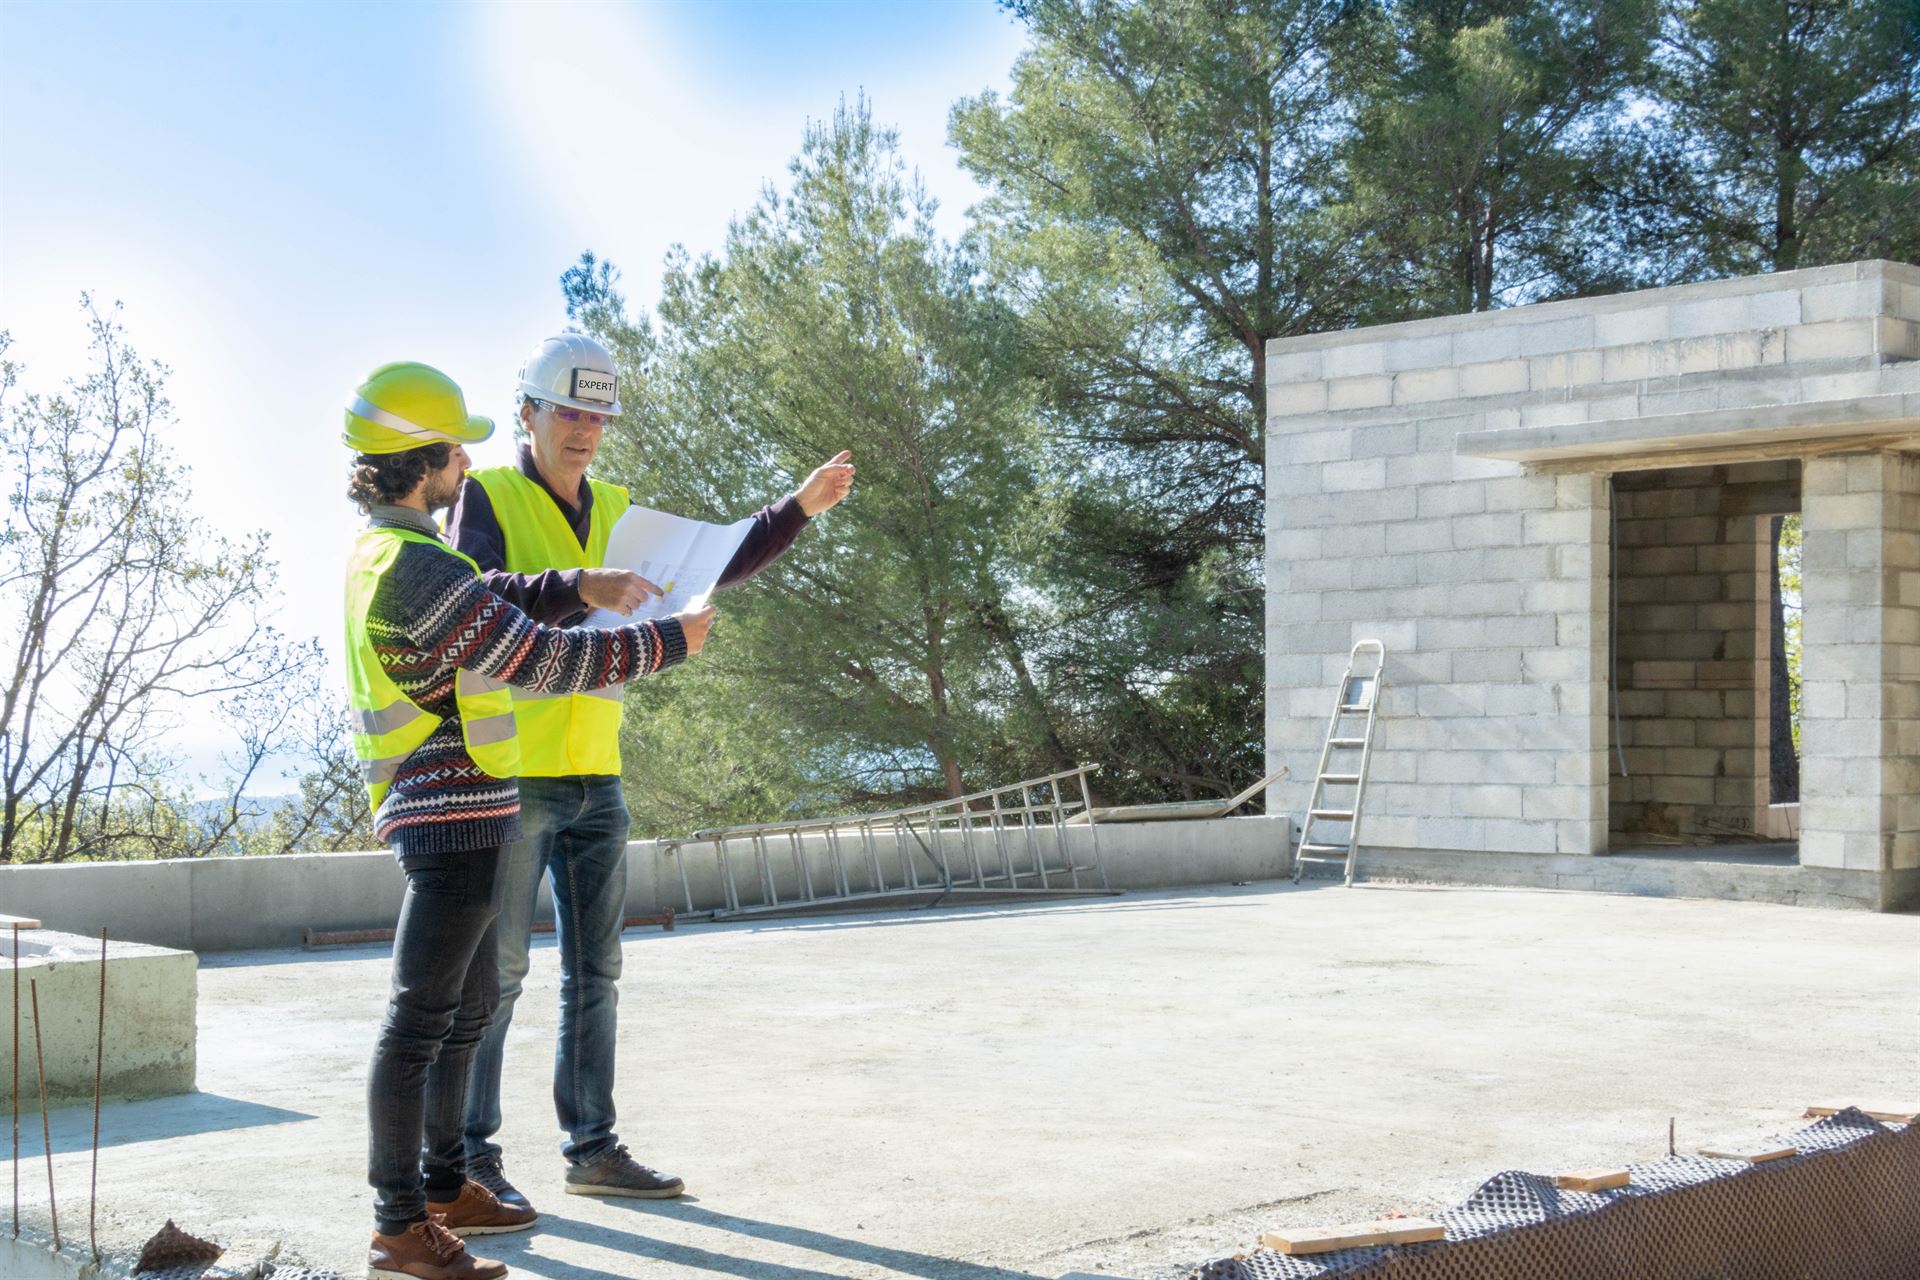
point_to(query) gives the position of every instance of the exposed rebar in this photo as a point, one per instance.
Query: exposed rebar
(99, 1058)
(16, 1082)
(46, 1125)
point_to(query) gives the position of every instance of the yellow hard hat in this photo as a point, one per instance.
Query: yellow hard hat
(407, 405)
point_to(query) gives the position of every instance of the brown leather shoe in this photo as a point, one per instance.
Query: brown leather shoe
(427, 1251)
(479, 1212)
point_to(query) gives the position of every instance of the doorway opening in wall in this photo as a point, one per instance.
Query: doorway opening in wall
(1703, 721)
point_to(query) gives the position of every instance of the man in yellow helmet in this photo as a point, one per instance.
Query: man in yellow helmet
(431, 657)
(538, 531)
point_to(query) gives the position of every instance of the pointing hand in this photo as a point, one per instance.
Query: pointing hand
(828, 484)
(619, 590)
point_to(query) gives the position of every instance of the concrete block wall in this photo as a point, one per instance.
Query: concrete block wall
(1692, 643)
(1489, 582)
(1487, 586)
(1860, 733)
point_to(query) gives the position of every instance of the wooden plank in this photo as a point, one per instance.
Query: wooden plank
(1884, 1117)
(1355, 1235)
(18, 922)
(1592, 1179)
(1153, 812)
(1752, 1155)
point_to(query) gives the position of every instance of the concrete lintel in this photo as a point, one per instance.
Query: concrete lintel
(1761, 427)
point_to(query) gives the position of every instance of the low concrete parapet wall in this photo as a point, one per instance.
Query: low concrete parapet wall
(231, 904)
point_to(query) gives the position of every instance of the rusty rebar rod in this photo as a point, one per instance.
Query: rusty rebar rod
(46, 1125)
(99, 1059)
(16, 1082)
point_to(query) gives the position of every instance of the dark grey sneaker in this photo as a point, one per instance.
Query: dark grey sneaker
(619, 1174)
(487, 1171)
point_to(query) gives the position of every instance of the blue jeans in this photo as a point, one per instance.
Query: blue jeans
(445, 985)
(575, 829)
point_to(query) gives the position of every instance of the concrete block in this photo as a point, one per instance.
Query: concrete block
(1421, 468)
(1417, 537)
(1488, 666)
(1564, 370)
(1298, 448)
(1516, 835)
(1455, 498)
(1293, 367)
(1640, 325)
(1572, 334)
(1628, 363)
(1522, 493)
(1354, 474)
(1735, 314)
(1385, 441)
(1359, 393)
(1452, 833)
(1425, 385)
(1429, 352)
(1557, 526)
(152, 996)
(1486, 342)
(1494, 378)
(1847, 300)
(1831, 340)
(1487, 801)
(1555, 413)
(1489, 530)
(1899, 339)
(1288, 400)
(1358, 359)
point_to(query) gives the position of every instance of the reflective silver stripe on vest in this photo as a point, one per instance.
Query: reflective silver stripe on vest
(489, 729)
(362, 408)
(471, 684)
(613, 692)
(376, 772)
(398, 715)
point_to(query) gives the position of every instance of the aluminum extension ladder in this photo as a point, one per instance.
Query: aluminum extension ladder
(1359, 695)
(1009, 843)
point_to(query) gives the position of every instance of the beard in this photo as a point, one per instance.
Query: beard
(442, 487)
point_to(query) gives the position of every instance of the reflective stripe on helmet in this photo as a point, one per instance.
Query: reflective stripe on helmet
(361, 408)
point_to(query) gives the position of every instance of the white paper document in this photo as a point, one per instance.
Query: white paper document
(683, 557)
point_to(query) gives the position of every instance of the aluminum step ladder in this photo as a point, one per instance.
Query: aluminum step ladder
(1358, 696)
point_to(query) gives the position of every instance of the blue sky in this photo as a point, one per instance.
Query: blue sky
(286, 195)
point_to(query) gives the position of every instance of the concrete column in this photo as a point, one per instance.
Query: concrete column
(1860, 733)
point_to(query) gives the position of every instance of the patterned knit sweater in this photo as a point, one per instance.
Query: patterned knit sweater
(430, 615)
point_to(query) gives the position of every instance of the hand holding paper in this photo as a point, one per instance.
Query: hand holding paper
(618, 590)
(685, 558)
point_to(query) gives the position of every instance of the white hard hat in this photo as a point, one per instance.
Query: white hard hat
(574, 370)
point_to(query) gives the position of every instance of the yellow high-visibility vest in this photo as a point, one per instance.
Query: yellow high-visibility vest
(562, 735)
(387, 725)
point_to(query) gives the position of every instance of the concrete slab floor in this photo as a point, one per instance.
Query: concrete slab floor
(1119, 1085)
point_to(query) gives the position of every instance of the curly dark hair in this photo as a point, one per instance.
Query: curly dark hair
(382, 479)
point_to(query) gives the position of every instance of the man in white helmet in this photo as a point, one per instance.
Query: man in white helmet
(538, 530)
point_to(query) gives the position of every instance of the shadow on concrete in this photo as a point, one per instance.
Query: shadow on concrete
(901, 1261)
(148, 1120)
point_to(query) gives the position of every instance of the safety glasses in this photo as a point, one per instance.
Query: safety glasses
(566, 414)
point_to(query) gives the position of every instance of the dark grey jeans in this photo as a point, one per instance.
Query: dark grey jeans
(445, 987)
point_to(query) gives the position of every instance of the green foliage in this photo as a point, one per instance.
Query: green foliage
(1792, 612)
(1479, 128)
(1159, 182)
(1780, 134)
(870, 661)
